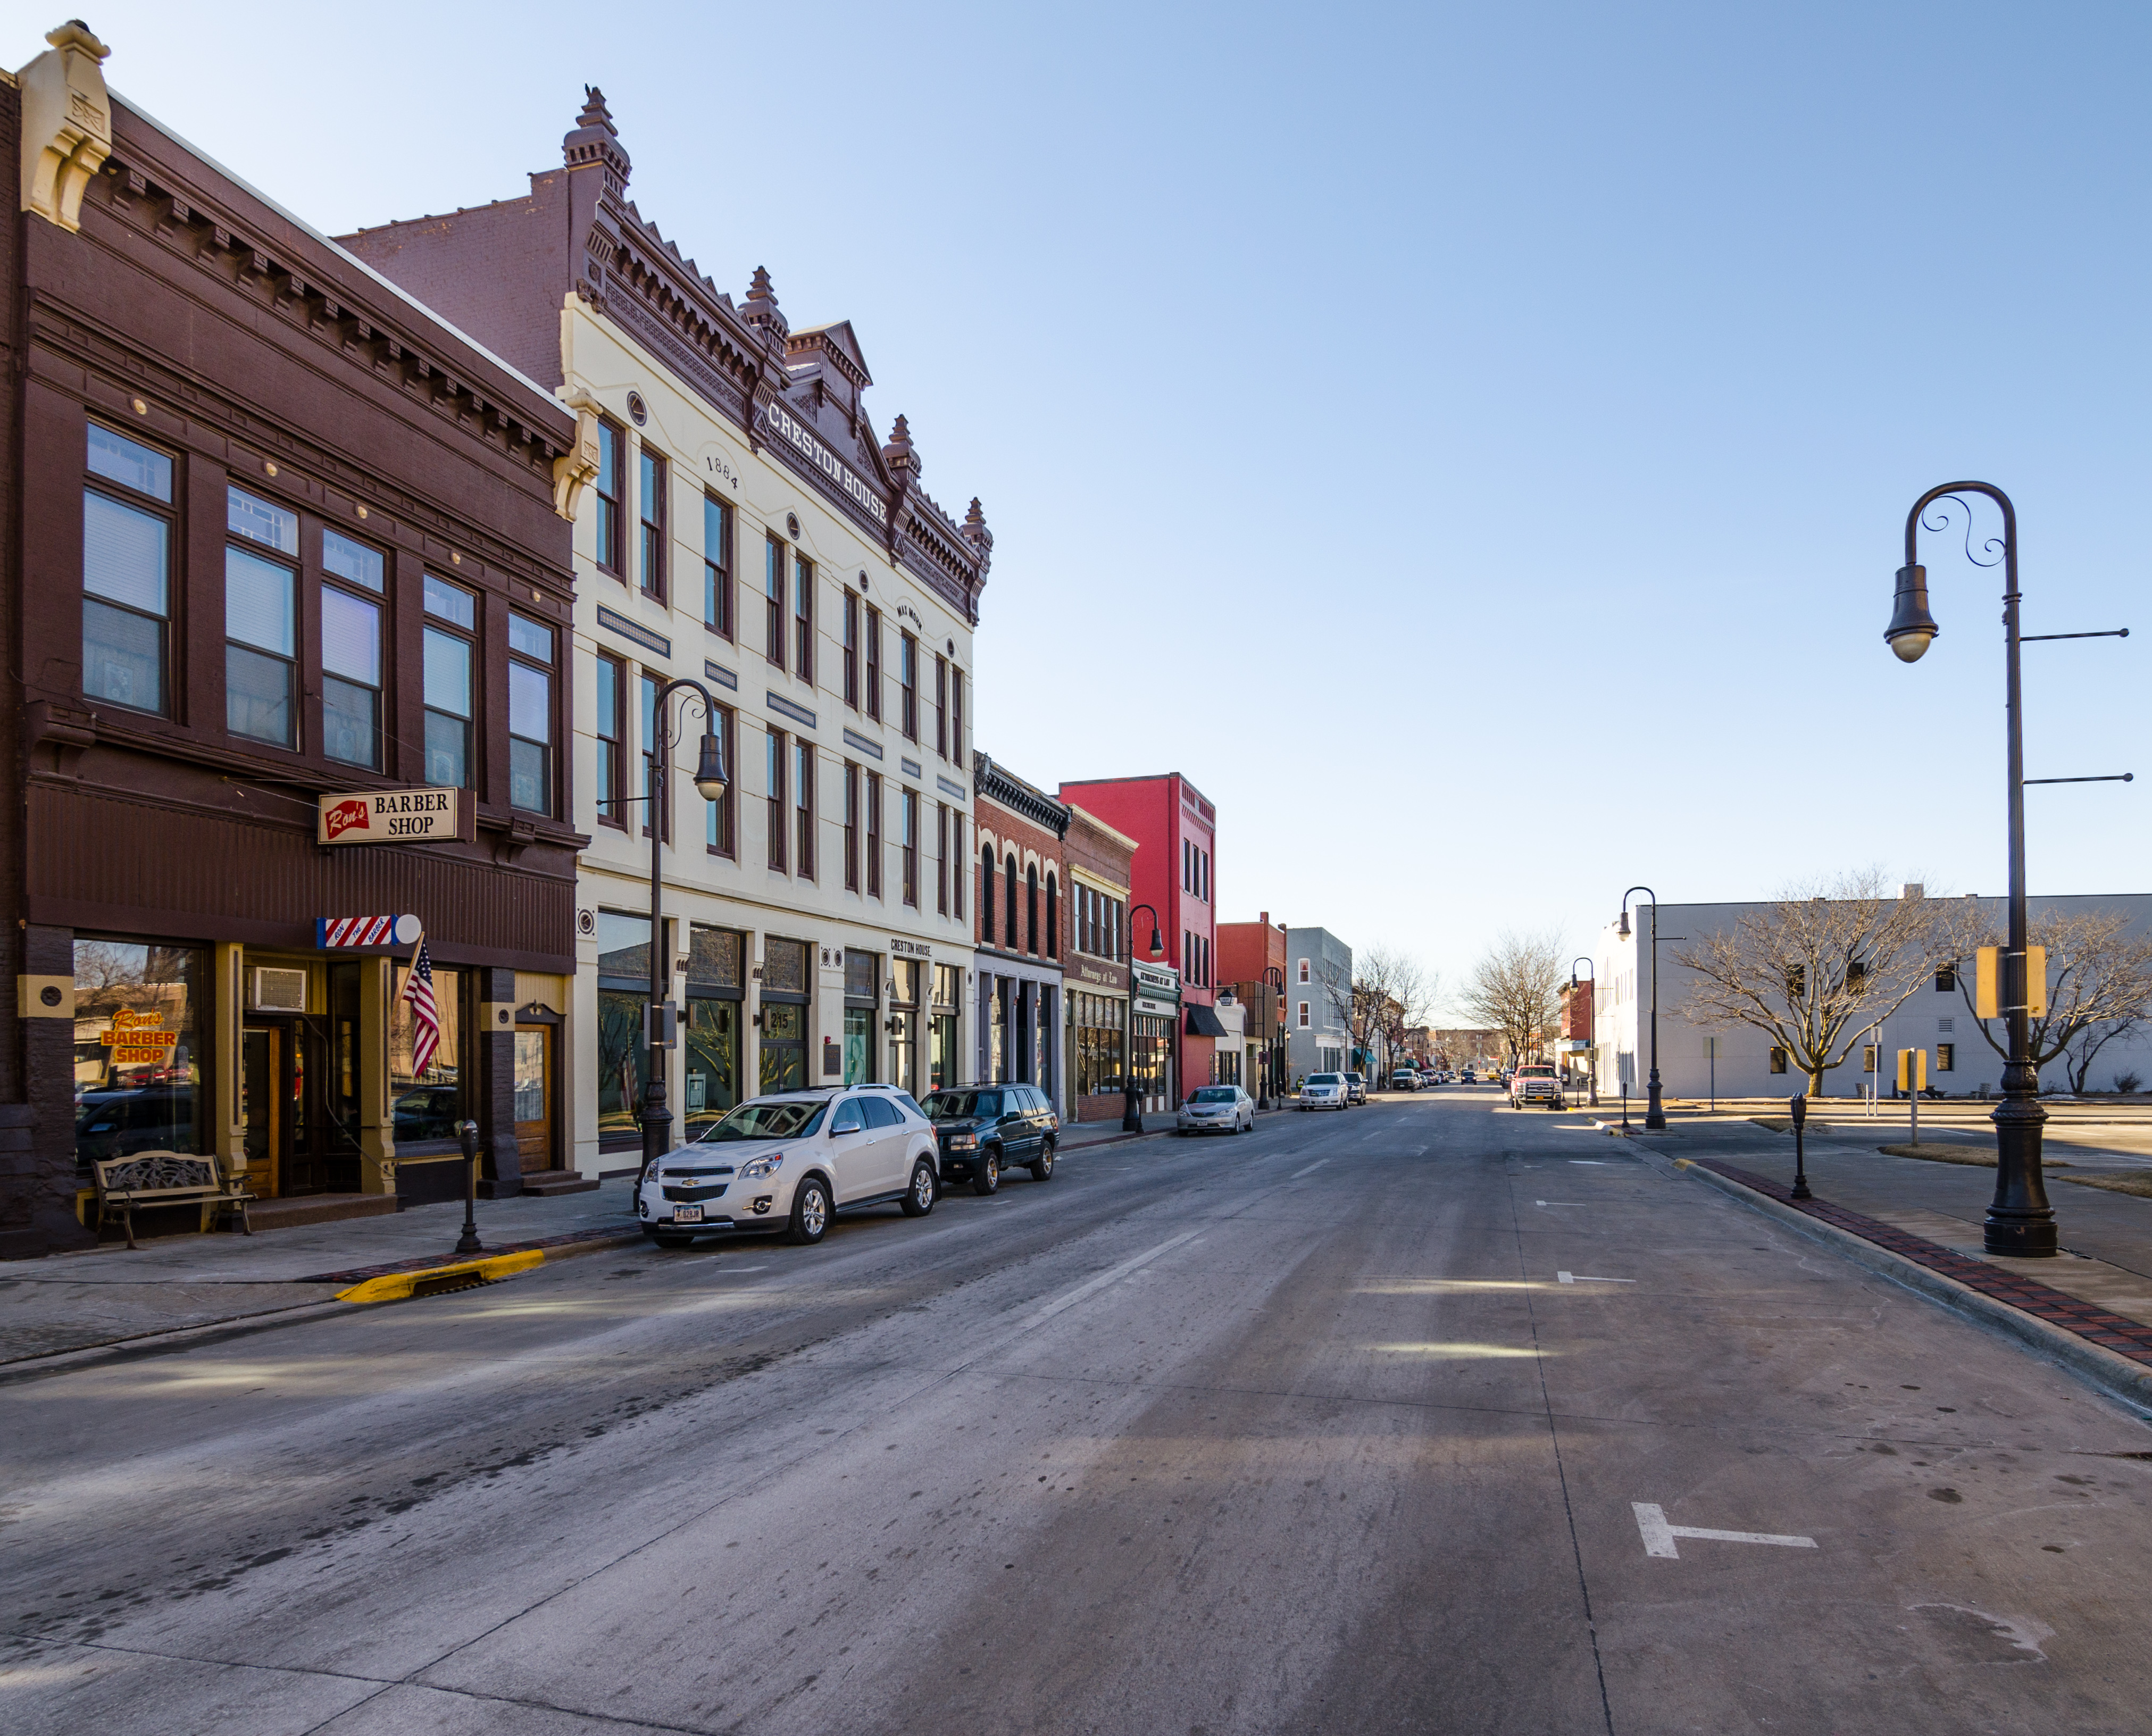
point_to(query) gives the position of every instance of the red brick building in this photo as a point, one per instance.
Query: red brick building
(1094, 965)
(1175, 829)
(1018, 832)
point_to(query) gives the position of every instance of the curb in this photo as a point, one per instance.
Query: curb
(156, 1343)
(2116, 1376)
(434, 1279)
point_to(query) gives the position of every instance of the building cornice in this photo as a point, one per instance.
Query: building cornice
(990, 783)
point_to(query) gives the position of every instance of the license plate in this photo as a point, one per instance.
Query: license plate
(687, 1214)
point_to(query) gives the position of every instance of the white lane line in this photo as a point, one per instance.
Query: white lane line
(1559, 1202)
(1113, 1274)
(1586, 1277)
(1596, 1163)
(1309, 1170)
(1659, 1536)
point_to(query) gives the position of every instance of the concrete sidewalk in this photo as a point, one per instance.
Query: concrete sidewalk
(2105, 1270)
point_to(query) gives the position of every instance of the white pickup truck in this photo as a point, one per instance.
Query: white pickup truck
(1536, 1082)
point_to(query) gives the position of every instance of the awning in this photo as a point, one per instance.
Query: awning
(1202, 1022)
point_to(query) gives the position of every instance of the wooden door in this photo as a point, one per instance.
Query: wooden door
(534, 1097)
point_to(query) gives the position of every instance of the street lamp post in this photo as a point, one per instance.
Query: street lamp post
(1655, 1118)
(2020, 1221)
(1131, 1116)
(1273, 1082)
(710, 784)
(1591, 1072)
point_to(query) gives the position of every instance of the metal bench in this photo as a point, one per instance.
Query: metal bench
(163, 1178)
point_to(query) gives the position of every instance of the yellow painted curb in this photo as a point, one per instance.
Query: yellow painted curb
(401, 1286)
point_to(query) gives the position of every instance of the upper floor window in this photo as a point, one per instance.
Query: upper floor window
(612, 740)
(874, 664)
(1008, 903)
(772, 773)
(608, 521)
(126, 572)
(350, 651)
(1946, 980)
(720, 821)
(803, 618)
(851, 826)
(261, 620)
(955, 715)
(803, 795)
(941, 705)
(773, 596)
(874, 835)
(530, 714)
(1303, 970)
(852, 649)
(907, 681)
(909, 842)
(1031, 909)
(650, 502)
(657, 787)
(453, 618)
(1052, 917)
(987, 894)
(942, 860)
(717, 566)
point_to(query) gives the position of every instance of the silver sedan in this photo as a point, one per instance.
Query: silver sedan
(1217, 1109)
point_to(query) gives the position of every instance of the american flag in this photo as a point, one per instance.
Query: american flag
(425, 1016)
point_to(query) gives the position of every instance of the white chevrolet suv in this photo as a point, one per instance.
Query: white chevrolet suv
(790, 1162)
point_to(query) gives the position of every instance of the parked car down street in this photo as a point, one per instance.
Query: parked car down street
(1217, 1109)
(985, 1129)
(1323, 1091)
(789, 1162)
(1356, 1088)
(1404, 1079)
(1536, 1082)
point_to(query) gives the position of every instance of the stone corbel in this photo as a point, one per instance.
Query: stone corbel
(67, 731)
(578, 467)
(67, 124)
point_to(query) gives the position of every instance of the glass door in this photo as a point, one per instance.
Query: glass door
(533, 1098)
(282, 1127)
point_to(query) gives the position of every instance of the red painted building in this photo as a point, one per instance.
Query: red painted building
(1175, 829)
(1245, 951)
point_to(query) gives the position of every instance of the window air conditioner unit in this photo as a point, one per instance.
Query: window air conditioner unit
(279, 991)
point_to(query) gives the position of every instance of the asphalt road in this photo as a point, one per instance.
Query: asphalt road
(1298, 1432)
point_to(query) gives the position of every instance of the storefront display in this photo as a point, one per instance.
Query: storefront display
(137, 1048)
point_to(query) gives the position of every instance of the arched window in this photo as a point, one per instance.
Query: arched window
(1052, 917)
(987, 894)
(1008, 914)
(1031, 909)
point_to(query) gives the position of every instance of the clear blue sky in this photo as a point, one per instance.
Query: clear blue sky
(1471, 443)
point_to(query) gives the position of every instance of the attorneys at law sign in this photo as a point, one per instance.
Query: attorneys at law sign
(388, 816)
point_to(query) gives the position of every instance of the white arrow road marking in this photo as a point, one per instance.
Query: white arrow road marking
(1309, 1170)
(1659, 1536)
(1579, 1277)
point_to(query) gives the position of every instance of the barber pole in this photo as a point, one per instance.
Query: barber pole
(367, 931)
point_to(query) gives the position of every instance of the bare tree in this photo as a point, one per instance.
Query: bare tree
(1387, 992)
(1813, 970)
(1515, 988)
(2099, 986)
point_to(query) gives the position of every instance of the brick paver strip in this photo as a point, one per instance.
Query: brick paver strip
(2089, 1321)
(420, 1263)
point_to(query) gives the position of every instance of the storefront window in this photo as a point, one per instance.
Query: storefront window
(428, 1104)
(138, 1015)
(711, 1060)
(622, 1063)
(948, 988)
(1099, 1033)
(859, 1044)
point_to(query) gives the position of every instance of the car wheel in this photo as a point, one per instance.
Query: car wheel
(810, 1213)
(919, 1198)
(1043, 1170)
(986, 1173)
